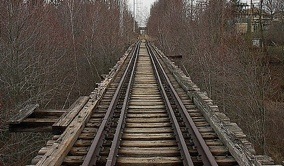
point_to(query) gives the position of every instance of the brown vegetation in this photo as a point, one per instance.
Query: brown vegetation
(221, 62)
(52, 53)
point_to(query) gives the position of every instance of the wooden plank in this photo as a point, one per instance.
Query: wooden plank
(148, 130)
(23, 113)
(57, 152)
(74, 160)
(147, 125)
(33, 125)
(59, 126)
(148, 152)
(151, 136)
(164, 161)
(39, 121)
(49, 112)
(151, 143)
(147, 120)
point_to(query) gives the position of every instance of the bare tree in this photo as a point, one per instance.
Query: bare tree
(220, 61)
(50, 53)
(271, 7)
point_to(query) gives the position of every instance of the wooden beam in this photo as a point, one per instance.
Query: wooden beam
(23, 113)
(49, 112)
(57, 152)
(62, 123)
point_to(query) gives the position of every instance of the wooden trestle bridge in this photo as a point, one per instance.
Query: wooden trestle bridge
(146, 112)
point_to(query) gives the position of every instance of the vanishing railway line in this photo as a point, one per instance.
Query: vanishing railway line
(143, 120)
(150, 125)
(144, 117)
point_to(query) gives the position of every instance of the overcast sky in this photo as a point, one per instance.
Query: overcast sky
(143, 10)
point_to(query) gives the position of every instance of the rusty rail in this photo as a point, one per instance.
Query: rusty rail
(93, 152)
(178, 133)
(167, 90)
(121, 122)
(199, 142)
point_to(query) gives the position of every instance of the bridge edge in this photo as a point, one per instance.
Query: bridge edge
(230, 133)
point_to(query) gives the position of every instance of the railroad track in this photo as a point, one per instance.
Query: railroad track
(146, 118)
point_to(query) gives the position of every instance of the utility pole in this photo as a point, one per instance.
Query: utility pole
(191, 10)
(251, 15)
(121, 16)
(134, 15)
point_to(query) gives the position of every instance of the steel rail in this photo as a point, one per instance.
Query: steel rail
(93, 152)
(202, 148)
(187, 161)
(112, 157)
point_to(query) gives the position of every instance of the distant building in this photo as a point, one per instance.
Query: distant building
(255, 16)
(250, 18)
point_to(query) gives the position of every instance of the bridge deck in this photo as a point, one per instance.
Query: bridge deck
(141, 116)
